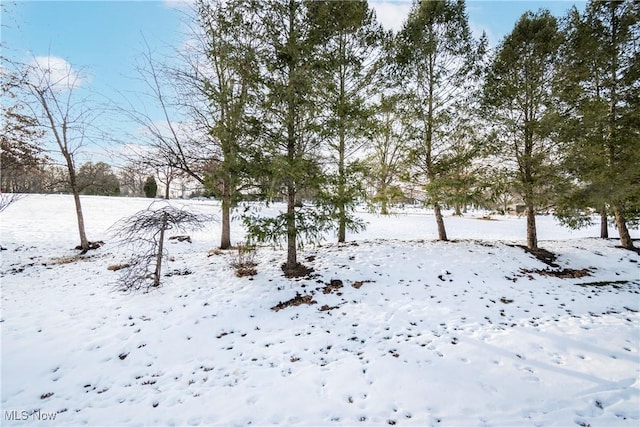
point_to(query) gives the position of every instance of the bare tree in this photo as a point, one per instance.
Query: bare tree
(170, 145)
(132, 177)
(389, 146)
(53, 87)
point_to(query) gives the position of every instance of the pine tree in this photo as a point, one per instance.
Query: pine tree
(290, 145)
(150, 187)
(229, 80)
(598, 89)
(349, 41)
(519, 102)
(437, 56)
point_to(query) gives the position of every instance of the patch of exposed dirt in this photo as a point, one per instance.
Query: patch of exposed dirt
(68, 260)
(359, 283)
(184, 272)
(116, 267)
(566, 273)
(295, 301)
(541, 254)
(92, 246)
(216, 251)
(181, 238)
(246, 270)
(615, 283)
(299, 270)
(334, 285)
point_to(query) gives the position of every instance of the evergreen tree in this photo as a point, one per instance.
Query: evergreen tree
(150, 187)
(519, 100)
(598, 89)
(228, 79)
(349, 51)
(289, 127)
(438, 58)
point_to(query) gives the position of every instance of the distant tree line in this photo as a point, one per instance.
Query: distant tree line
(314, 104)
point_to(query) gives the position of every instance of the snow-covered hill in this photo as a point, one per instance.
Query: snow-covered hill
(410, 331)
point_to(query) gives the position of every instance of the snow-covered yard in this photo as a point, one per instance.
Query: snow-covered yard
(411, 331)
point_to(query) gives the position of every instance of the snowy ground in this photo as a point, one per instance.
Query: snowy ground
(421, 332)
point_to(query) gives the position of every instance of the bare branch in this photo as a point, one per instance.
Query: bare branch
(144, 233)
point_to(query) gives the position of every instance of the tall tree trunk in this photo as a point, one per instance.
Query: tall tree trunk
(382, 194)
(342, 180)
(532, 235)
(166, 190)
(384, 209)
(625, 237)
(225, 237)
(292, 256)
(604, 226)
(442, 232)
(621, 223)
(291, 122)
(61, 139)
(342, 183)
(342, 223)
(158, 272)
(84, 242)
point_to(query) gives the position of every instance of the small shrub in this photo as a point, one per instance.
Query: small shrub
(244, 262)
(150, 187)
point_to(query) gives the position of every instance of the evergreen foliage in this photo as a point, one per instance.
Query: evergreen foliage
(289, 123)
(599, 93)
(311, 103)
(229, 81)
(150, 187)
(438, 59)
(519, 102)
(349, 55)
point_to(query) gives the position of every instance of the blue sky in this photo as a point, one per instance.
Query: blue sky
(103, 37)
(106, 37)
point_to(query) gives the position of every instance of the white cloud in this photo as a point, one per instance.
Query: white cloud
(391, 14)
(55, 72)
